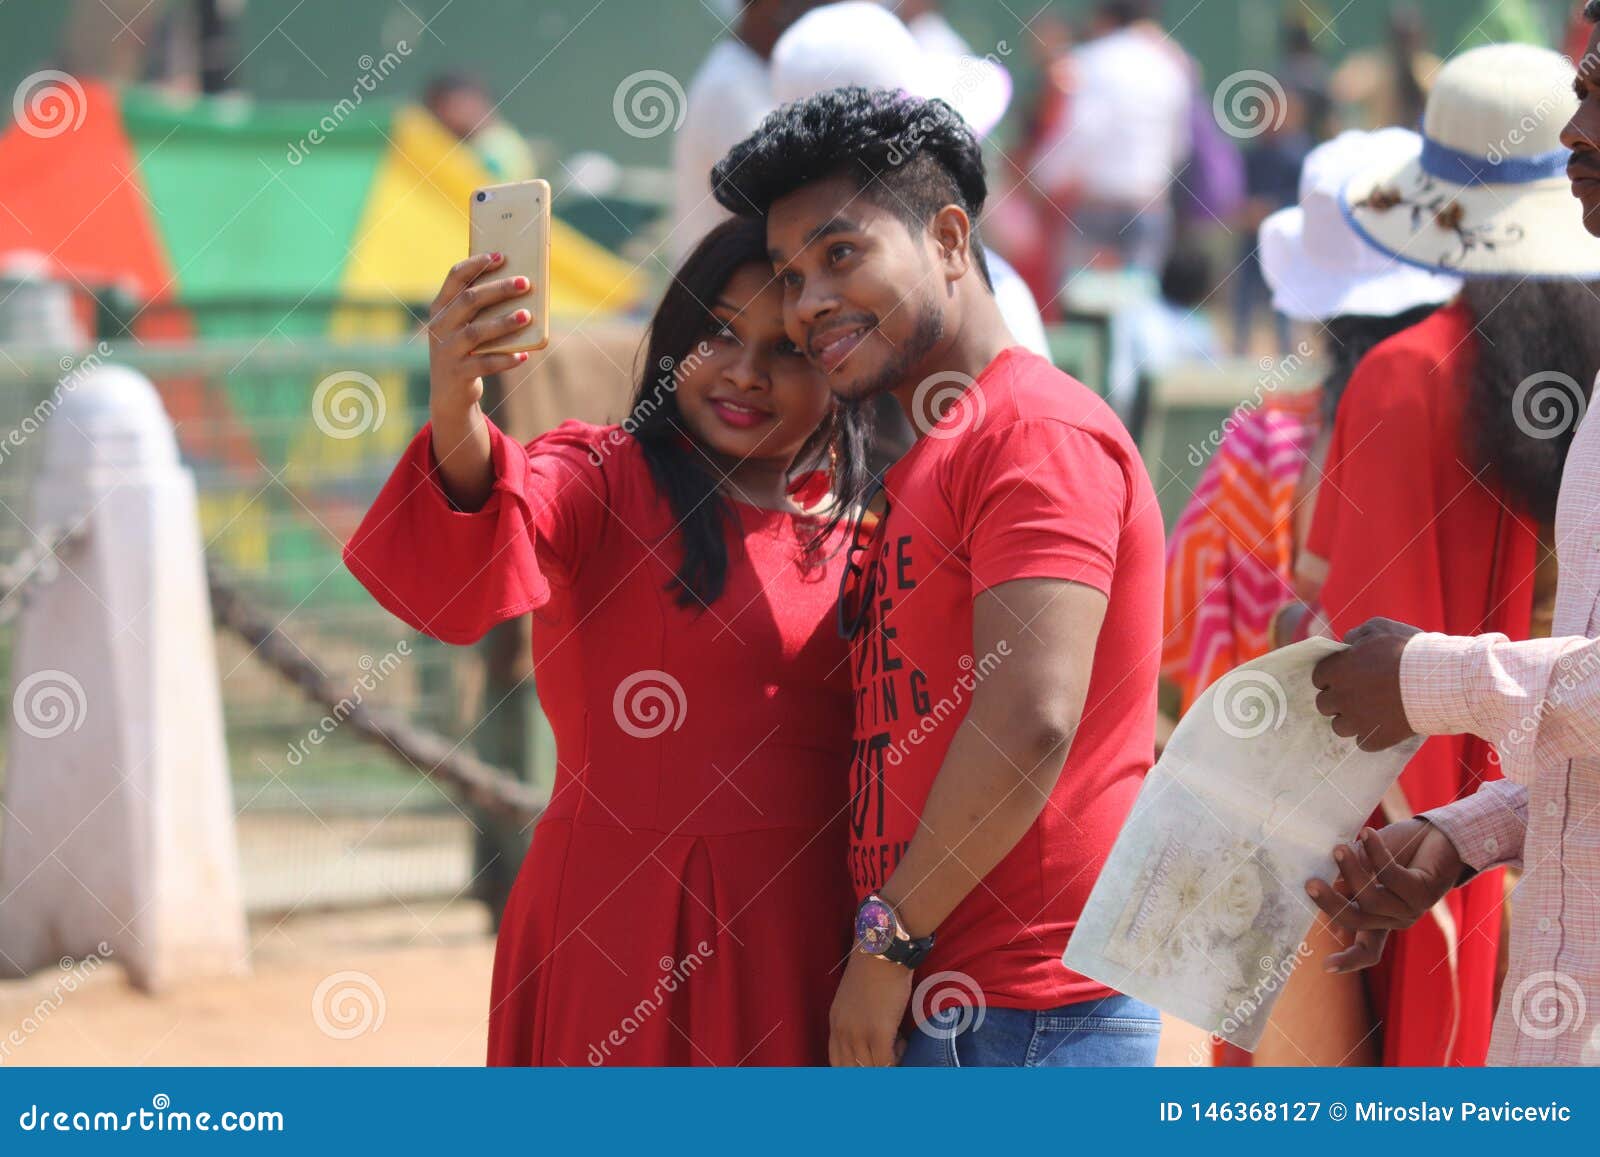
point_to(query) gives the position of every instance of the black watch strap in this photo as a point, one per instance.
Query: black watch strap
(910, 953)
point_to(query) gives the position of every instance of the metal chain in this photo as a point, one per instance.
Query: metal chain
(36, 566)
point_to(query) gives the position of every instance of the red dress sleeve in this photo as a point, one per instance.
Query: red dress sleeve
(453, 574)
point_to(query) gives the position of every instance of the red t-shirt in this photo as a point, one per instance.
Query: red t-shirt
(1029, 475)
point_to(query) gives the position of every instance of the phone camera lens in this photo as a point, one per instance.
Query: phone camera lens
(483, 197)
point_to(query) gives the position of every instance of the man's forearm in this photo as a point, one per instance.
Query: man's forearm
(990, 789)
(1487, 827)
(1541, 693)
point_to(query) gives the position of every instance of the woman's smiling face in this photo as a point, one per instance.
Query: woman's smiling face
(746, 390)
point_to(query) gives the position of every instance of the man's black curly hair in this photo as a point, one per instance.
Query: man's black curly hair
(906, 154)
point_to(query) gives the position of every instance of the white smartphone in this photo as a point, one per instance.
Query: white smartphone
(514, 219)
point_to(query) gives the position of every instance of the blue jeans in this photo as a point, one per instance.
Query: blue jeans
(1115, 1031)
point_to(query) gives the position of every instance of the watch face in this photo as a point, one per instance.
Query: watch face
(874, 927)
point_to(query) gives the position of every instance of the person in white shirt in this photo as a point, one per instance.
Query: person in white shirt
(726, 101)
(1125, 135)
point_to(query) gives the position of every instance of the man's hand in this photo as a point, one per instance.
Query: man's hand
(1360, 687)
(1387, 880)
(864, 1023)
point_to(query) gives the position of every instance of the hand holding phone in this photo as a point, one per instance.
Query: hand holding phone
(475, 309)
(514, 220)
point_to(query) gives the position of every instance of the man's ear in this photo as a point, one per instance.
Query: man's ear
(952, 233)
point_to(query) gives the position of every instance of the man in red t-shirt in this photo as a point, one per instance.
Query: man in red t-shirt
(1004, 598)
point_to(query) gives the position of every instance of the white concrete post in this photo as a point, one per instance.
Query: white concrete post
(119, 825)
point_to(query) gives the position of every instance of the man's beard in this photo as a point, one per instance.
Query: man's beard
(898, 368)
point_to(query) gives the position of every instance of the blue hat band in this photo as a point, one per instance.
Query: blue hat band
(1460, 168)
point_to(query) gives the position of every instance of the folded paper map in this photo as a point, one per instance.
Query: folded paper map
(1201, 909)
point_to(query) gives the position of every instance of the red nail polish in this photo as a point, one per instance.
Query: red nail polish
(494, 256)
(522, 358)
(522, 283)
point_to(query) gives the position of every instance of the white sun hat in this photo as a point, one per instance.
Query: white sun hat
(863, 43)
(1488, 194)
(1317, 266)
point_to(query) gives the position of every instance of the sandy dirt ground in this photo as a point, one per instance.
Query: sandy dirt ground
(387, 986)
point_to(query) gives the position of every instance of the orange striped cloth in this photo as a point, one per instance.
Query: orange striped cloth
(1230, 559)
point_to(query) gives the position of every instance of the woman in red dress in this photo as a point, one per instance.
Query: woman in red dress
(684, 900)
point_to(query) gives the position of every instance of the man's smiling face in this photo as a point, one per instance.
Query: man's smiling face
(863, 294)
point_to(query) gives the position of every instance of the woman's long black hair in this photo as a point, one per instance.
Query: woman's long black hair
(682, 473)
(1349, 339)
(1537, 348)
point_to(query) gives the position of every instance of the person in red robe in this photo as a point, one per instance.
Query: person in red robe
(1409, 530)
(685, 898)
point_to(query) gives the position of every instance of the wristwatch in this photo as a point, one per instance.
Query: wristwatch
(879, 933)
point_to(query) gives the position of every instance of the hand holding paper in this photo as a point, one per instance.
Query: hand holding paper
(1414, 862)
(1201, 908)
